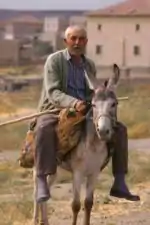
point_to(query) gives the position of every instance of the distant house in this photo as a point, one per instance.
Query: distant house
(24, 27)
(53, 30)
(26, 36)
(15, 52)
(9, 52)
(120, 33)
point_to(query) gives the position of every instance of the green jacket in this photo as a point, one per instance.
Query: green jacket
(54, 90)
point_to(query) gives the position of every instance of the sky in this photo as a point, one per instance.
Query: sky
(55, 4)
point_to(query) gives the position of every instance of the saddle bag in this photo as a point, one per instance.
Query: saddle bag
(69, 132)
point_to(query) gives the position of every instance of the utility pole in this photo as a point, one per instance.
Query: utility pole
(124, 53)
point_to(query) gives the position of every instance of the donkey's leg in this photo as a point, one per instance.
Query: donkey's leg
(43, 205)
(88, 202)
(76, 204)
(44, 215)
(36, 213)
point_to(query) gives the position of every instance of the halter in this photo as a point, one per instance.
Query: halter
(96, 119)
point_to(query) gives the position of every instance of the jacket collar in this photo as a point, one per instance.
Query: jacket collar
(68, 56)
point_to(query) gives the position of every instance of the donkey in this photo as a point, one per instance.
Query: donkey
(88, 158)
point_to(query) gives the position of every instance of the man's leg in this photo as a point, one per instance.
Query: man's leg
(120, 164)
(45, 154)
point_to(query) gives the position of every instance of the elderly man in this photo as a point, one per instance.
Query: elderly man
(65, 85)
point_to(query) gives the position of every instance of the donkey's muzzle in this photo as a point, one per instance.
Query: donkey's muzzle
(104, 133)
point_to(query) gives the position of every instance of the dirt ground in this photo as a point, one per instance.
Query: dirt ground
(106, 210)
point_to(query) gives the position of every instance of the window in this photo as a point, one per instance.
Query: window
(98, 49)
(136, 50)
(137, 27)
(99, 27)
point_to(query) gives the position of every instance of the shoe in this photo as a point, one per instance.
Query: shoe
(42, 192)
(121, 194)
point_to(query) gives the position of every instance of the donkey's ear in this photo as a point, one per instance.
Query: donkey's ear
(105, 83)
(113, 81)
(116, 71)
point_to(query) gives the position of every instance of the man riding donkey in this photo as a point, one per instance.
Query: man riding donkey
(65, 86)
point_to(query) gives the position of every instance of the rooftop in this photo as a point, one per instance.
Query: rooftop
(125, 8)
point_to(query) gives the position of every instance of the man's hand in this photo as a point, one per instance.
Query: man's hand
(80, 106)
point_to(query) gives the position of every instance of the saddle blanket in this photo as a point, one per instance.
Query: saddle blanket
(69, 132)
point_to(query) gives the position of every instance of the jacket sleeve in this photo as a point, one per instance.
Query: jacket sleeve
(52, 83)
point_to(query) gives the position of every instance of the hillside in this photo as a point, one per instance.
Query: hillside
(8, 14)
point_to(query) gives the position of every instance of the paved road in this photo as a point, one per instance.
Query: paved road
(140, 144)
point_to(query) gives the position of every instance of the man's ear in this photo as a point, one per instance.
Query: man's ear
(86, 41)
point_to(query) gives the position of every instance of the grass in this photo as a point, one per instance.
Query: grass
(16, 193)
(21, 70)
(12, 102)
(12, 136)
(18, 211)
(11, 175)
(139, 171)
(134, 113)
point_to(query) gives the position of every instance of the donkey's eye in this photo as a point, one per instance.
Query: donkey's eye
(93, 105)
(113, 105)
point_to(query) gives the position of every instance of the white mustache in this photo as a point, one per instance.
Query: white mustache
(76, 46)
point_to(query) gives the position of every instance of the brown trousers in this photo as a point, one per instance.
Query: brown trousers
(46, 147)
(120, 154)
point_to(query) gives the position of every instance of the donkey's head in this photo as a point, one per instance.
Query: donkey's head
(104, 104)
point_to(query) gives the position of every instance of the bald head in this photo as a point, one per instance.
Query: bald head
(75, 28)
(75, 39)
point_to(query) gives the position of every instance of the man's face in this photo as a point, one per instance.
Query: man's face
(76, 42)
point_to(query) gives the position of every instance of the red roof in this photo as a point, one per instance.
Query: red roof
(126, 8)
